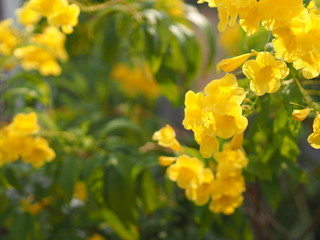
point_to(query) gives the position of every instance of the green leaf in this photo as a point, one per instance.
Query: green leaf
(69, 174)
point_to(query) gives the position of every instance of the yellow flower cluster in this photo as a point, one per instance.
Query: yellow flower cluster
(134, 81)
(224, 186)
(39, 51)
(34, 207)
(216, 113)
(18, 140)
(271, 14)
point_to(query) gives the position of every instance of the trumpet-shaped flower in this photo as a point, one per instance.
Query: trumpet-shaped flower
(225, 204)
(9, 38)
(27, 15)
(201, 195)
(186, 171)
(166, 137)
(265, 73)
(300, 115)
(314, 138)
(24, 124)
(66, 17)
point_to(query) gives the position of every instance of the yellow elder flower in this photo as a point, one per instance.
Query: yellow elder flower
(228, 182)
(300, 115)
(186, 171)
(208, 145)
(166, 137)
(225, 204)
(194, 115)
(96, 236)
(47, 8)
(24, 124)
(235, 160)
(138, 80)
(265, 73)
(34, 207)
(230, 125)
(200, 195)
(11, 146)
(314, 138)
(53, 40)
(166, 161)
(38, 153)
(27, 16)
(35, 57)
(224, 95)
(66, 17)
(9, 38)
(230, 64)
(80, 191)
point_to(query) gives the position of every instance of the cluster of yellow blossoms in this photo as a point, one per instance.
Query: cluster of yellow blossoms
(18, 141)
(30, 205)
(295, 28)
(137, 80)
(216, 113)
(223, 182)
(34, 50)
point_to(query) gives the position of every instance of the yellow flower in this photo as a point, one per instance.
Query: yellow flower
(9, 38)
(166, 137)
(166, 161)
(193, 112)
(27, 16)
(224, 95)
(208, 145)
(53, 40)
(186, 171)
(231, 160)
(230, 64)
(300, 115)
(265, 73)
(230, 125)
(96, 236)
(38, 153)
(236, 142)
(34, 57)
(134, 81)
(46, 8)
(34, 207)
(314, 138)
(80, 191)
(275, 14)
(225, 204)
(24, 124)
(201, 194)
(66, 16)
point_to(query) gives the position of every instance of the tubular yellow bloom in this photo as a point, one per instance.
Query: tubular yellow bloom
(47, 8)
(300, 115)
(166, 137)
(34, 207)
(38, 153)
(208, 145)
(186, 171)
(27, 16)
(166, 161)
(265, 73)
(66, 16)
(223, 95)
(314, 138)
(9, 38)
(193, 112)
(24, 124)
(80, 191)
(134, 81)
(34, 57)
(230, 64)
(201, 194)
(225, 204)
